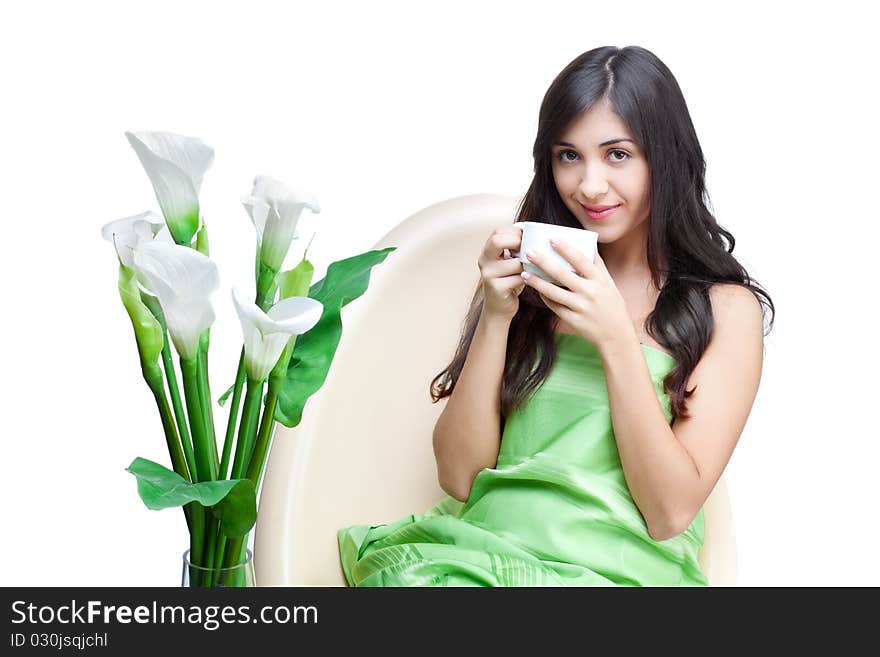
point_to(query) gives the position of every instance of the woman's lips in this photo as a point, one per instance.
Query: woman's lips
(601, 214)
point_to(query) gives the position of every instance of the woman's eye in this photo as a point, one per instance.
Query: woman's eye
(562, 156)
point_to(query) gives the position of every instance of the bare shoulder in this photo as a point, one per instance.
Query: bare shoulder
(737, 341)
(736, 308)
(731, 292)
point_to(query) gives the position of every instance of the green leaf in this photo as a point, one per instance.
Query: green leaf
(225, 395)
(313, 352)
(233, 501)
(237, 511)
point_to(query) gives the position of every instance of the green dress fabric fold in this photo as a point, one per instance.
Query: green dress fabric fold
(554, 511)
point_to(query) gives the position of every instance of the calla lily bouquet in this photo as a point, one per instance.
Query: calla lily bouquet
(291, 330)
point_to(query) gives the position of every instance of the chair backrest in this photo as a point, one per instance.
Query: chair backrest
(362, 453)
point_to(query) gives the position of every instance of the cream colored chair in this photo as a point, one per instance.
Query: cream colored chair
(363, 452)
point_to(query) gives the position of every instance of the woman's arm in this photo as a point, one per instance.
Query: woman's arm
(671, 471)
(467, 436)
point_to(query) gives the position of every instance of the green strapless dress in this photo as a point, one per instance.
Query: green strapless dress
(555, 511)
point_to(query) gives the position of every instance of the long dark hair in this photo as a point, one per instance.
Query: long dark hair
(685, 243)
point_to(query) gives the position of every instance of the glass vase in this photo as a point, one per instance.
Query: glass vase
(241, 575)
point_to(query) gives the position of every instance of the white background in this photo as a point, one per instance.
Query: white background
(381, 110)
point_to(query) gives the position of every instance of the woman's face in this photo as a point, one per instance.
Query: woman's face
(590, 172)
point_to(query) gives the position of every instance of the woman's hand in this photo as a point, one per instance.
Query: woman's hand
(502, 283)
(592, 305)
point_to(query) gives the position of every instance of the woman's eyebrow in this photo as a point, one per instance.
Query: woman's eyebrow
(616, 140)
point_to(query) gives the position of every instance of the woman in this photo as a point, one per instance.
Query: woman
(620, 395)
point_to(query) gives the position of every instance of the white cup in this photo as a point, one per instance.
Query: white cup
(536, 237)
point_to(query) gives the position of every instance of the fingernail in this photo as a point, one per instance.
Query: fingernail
(530, 254)
(554, 242)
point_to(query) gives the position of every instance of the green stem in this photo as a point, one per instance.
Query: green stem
(230, 548)
(236, 548)
(233, 415)
(220, 552)
(189, 369)
(172, 440)
(171, 377)
(235, 555)
(212, 527)
(178, 461)
(261, 449)
(215, 456)
(247, 428)
(197, 513)
(207, 410)
(225, 558)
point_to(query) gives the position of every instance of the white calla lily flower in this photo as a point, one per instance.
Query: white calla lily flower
(266, 334)
(129, 232)
(275, 209)
(175, 165)
(183, 280)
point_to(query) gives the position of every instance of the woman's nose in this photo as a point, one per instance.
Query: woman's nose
(593, 187)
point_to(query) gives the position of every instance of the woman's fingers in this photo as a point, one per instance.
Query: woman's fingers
(549, 290)
(556, 271)
(501, 243)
